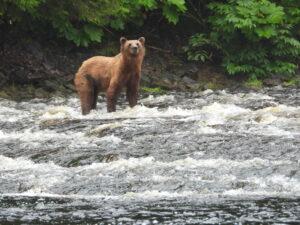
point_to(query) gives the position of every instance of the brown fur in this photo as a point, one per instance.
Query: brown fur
(111, 74)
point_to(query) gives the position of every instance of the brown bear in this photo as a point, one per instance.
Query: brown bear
(111, 74)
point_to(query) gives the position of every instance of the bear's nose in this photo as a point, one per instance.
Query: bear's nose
(134, 49)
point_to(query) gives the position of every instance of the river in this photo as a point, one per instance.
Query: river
(213, 157)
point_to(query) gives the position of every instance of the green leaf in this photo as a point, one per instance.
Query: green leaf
(117, 24)
(94, 33)
(266, 32)
(28, 4)
(171, 14)
(148, 4)
(180, 4)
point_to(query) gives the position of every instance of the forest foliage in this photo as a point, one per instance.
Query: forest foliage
(254, 37)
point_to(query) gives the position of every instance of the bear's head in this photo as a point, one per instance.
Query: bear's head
(132, 48)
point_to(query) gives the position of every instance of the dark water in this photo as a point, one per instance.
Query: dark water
(181, 158)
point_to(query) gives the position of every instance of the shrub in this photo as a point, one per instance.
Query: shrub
(85, 21)
(200, 48)
(254, 36)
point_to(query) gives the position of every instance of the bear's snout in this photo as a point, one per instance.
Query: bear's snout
(134, 49)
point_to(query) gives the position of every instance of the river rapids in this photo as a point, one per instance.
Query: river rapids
(213, 157)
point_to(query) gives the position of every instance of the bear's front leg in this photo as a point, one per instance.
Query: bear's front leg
(112, 95)
(132, 91)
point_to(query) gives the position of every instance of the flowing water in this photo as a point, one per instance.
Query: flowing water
(215, 157)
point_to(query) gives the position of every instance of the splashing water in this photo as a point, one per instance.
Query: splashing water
(210, 157)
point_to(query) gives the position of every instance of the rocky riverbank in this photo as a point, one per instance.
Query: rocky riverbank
(31, 68)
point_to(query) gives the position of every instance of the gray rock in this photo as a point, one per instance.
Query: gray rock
(3, 79)
(70, 87)
(145, 79)
(50, 85)
(19, 76)
(278, 88)
(188, 80)
(40, 93)
(35, 49)
(165, 83)
(272, 81)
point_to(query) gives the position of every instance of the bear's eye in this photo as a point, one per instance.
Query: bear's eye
(137, 44)
(129, 44)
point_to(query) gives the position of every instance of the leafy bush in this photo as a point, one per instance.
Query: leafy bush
(254, 36)
(78, 21)
(199, 48)
(85, 21)
(253, 83)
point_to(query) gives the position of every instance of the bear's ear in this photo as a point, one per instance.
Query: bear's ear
(142, 40)
(123, 40)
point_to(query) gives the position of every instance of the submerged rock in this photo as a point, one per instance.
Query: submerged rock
(103, 129)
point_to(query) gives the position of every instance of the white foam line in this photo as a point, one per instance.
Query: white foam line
(132, 163)
(128, 113)
(157, 195)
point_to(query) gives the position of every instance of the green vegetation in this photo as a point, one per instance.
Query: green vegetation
(253, 83)
(255, 37)
(84, 21)
(153, 90)
(293, 82)
(258, 38)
